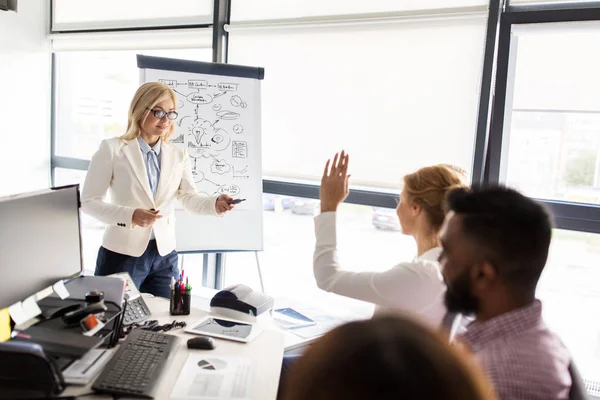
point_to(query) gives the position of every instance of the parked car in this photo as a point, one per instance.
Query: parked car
(385, 219)
(305, 206)
(286, 202)
(270, 200)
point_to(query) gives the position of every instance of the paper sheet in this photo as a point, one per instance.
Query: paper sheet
(22, 312)
(214, 378)
(17, 313)
(61, 290)
(31, 307)
(42, 294)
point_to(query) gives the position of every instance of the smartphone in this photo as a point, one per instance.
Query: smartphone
(290, 318)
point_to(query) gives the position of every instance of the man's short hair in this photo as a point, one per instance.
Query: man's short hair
(512, 230)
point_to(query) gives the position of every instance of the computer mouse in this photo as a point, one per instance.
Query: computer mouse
(202, 343)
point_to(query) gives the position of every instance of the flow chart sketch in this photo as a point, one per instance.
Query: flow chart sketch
(206, 132)
(219, 128)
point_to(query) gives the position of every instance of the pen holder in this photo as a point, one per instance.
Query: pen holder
(181, 302)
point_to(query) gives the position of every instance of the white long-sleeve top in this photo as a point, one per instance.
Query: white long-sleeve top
(415, 288)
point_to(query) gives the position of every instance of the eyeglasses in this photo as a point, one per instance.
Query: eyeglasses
(160, 114)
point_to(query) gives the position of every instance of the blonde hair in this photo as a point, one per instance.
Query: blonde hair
(146, 97)
(429, 186)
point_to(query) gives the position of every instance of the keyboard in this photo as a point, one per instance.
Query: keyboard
(135, 368)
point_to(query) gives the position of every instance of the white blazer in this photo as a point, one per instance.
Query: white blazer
(118, 165)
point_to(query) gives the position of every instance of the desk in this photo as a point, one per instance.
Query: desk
(292, 342)
(201, 300)
(266, 351)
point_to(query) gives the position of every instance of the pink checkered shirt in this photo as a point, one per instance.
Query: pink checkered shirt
(521, 356)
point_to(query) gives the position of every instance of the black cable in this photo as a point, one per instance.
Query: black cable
(152, 325)
(167, 327)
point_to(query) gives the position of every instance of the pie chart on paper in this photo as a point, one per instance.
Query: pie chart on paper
(211, 364)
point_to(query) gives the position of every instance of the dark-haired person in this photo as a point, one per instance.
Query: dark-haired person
(385, 358)
(495, 244)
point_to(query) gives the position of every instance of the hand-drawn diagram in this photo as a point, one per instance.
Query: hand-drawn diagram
(231, 190)
(229, 115)
(210, 113)
(220, 167)
(179, 139)
(242, 173)
(240, 149)
(198, 175)
(237, 101)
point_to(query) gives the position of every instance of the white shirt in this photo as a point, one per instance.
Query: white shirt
(416, 288)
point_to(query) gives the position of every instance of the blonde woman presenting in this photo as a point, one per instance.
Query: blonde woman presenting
(413, 287)
(145, 174)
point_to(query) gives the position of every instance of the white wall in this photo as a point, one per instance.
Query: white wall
(25, 79)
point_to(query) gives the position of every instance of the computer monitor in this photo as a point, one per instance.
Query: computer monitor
(40, 241)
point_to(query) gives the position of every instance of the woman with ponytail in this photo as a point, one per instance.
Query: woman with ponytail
(414, 287)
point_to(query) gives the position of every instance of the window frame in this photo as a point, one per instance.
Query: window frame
(489, 139)
(115, 26)
(221, 22)
(220, 25)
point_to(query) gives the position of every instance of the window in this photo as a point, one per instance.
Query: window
(368, 240)
(74, 15)
(555, 154)
(552, 120)
(545, 141)
(94, 89)
(570, 294)
(369, 89)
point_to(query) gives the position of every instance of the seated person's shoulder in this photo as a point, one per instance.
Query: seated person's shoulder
(537, 345)
(536, 363)
(426, 268)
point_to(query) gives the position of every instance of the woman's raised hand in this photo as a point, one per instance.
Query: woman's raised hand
(334, 183)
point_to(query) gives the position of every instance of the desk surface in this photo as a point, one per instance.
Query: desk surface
(292, 341)
(266, 351)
